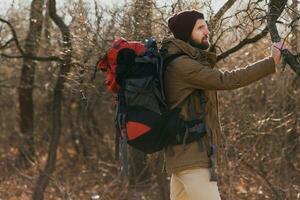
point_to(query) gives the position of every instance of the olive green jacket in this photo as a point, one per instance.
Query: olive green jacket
(193, 71)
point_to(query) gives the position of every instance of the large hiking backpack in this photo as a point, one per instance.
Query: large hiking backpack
(135, 72)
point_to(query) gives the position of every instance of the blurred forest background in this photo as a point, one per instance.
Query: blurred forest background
(57, 123)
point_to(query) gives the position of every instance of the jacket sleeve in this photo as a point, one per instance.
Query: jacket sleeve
(198, 76)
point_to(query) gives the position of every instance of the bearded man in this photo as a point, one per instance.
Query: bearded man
(190, 77)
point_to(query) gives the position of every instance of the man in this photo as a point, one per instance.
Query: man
(191, 167)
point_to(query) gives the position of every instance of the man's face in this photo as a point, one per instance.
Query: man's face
(200, 34)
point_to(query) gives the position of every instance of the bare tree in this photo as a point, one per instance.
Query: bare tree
(143, 16)
(293, 11)
(26, 147)
(38, 193)
(260, 144)
(289, 146)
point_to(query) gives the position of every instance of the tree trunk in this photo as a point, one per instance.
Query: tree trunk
(47, 30)
(295, 29)
(42, 183)
(143, 16)
(291, 143)
(32, 43)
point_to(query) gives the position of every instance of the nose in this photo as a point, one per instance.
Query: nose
(207, 31)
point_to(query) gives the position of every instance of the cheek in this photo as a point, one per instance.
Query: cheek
(198, 36)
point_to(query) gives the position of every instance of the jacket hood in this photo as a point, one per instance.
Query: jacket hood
(173, 46)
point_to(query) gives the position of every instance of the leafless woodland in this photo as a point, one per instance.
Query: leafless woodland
(57, 119)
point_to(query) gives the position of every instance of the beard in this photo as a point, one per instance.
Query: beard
(204, 45)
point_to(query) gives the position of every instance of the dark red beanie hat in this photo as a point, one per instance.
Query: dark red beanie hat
(181, 24)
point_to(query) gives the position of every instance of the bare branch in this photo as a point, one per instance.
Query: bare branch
(6, 43)
(43, 58)
(15, 37)
(243, 43)
(7, 86)
(23, 54)
(33, 57)
(11, 56)
(221, 12)
(262, 177)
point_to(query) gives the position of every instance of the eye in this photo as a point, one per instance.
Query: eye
(201, 27)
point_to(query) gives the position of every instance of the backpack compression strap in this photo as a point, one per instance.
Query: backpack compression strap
(212, 156)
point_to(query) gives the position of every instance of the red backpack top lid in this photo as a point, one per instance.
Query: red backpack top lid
(109, 63)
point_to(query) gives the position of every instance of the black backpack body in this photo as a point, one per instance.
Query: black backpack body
(143, 119)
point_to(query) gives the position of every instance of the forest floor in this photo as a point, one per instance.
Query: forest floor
(73, 179)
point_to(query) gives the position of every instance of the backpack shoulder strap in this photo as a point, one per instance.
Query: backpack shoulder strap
(162, 66)
(169, 59)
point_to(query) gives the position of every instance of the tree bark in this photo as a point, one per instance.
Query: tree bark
(295, 29)
(42, 183)
(143, 14)
(32, 43)
(275, 9)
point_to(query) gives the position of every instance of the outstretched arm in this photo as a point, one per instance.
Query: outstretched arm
(198, 76)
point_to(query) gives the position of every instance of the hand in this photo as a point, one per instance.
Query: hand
(275, 51)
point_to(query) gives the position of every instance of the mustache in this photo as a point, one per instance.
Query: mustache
(205, 38)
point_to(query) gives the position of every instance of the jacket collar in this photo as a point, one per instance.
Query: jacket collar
(175, 46)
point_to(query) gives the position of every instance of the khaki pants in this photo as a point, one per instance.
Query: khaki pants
(193, 184)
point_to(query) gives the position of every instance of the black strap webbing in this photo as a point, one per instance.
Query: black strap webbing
(169, 59)
(162, 66)
(199, 128)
